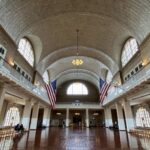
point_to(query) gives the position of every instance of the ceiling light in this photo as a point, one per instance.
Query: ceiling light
(95, 114)
(77, 61)
(58, 113)
(77, 114)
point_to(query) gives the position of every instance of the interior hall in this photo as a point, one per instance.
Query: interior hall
(74, 74)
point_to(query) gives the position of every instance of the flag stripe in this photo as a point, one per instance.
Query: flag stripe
(51, 93)
(103, 90)
(51, 96)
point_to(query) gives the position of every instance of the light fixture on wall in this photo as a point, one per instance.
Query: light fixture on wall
(77, 61)
(11, 61)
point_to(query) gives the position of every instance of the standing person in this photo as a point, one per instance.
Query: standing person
(63, 123)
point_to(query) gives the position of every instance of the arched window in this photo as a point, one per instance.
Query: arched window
(12, 117)
(2, 51)
(129, 49)
(46, 77)
(142, 118)
(77, 88)
(26, 50)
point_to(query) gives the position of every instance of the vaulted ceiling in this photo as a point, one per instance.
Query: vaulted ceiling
(51, 26)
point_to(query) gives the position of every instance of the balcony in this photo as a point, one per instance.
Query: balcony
(7, 71)
(135, 81)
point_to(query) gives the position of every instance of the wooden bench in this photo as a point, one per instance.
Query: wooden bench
(141, 132)
(6, 131)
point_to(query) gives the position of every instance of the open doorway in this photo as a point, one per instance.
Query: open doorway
(40, 118)
(77, 120)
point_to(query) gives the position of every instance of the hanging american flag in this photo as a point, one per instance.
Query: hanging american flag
(51, 92)
(104, 86)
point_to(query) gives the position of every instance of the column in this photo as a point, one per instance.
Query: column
(67, 117)
(105, 113)
(120, 118)
(2, 96)
(34, 118)
(46, 117)
(108, 117)
(87, 118)
(128, 115)
(26, 114)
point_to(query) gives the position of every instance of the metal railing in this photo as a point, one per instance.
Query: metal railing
(8, 71)
(137, 79)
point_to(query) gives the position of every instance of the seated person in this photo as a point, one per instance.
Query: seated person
(19, 128)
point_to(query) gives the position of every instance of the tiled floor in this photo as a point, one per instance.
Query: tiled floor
(75, 139)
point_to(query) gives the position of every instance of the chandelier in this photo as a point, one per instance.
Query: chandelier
(77, 61)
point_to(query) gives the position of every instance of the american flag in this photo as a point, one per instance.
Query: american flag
(104, 86)
(51, 92)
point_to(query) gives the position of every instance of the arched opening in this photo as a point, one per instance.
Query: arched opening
(142, 117)
(129, 50)
(12, 116)
(77, 88)
(26, 50)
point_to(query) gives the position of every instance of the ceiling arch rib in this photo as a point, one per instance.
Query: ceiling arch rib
(37, 46)
(105, 24)
(82, 75)
(57, 31)
(127, 12)
(64, 64)
(89, 53)
(76, 72)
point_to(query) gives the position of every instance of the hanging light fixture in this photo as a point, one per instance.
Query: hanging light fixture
(77, 61)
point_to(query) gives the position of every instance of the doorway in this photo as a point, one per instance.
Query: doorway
(77, 120)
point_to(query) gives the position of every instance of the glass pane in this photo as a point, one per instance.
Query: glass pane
(77, 89)
(130, 48)
(142, 118)
(12, 117)
(26, 50)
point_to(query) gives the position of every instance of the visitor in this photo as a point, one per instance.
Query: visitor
(19, 128)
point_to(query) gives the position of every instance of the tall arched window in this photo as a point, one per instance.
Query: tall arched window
(12, 116)
(26, 50)
(77, 88)
(46, 77)
(129, 49)
(142, 118)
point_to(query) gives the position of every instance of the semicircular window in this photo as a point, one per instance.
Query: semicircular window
(77, 88)
(26, 50)
(129, 50)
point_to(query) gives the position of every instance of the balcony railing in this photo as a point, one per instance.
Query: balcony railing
(137, 79)
(8, 71)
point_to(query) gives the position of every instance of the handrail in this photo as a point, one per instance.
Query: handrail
(7, 70)
(135, 80)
